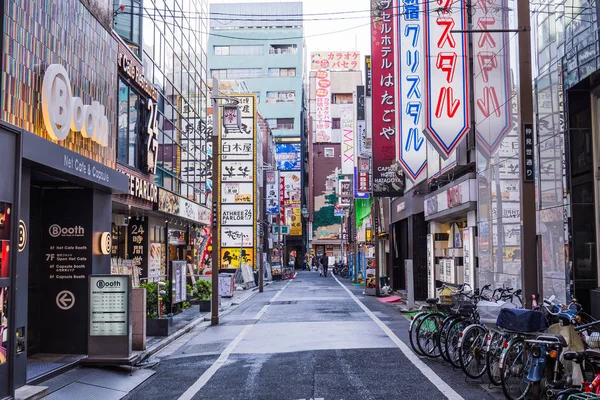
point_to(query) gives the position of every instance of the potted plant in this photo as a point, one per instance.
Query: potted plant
(155, 326)
(203, 292)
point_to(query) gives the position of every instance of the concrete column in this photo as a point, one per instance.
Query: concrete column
(138, 319)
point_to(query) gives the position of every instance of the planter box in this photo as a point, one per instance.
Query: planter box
(159, 326)
(204, 305)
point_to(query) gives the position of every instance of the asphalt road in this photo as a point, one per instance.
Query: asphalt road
(308, 338)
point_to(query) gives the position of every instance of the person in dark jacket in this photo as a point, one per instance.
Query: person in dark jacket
(325, 262)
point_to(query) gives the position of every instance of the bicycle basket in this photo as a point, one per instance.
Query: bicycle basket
(592, 339)
(489, 311)
(520, 320)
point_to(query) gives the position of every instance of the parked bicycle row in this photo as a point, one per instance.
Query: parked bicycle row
(547, 352)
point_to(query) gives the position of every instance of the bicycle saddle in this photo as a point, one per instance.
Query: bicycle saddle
(591, 353)
(576, 356)
(432, 301)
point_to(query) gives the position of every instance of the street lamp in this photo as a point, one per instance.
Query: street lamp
(231, 121)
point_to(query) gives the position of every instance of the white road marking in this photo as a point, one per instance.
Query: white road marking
(262, 311)
(205, 377)
(421, 366)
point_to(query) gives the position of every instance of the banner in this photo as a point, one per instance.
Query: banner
(411, 148)
(360, 105)
(387, 180)
(272, 192)
(368, 77)
(334, 60)
(492, 80)
(323, 99)
(347, 126)
(446, 74)
(288, 156)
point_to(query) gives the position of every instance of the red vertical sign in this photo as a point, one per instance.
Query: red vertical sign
(388, 181)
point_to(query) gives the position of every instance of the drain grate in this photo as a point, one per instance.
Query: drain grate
(204, 348)
(278, 303)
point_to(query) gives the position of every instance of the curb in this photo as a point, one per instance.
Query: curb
(204, 320)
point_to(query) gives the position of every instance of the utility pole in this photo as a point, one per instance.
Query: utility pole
(529, 267)
(214, 319)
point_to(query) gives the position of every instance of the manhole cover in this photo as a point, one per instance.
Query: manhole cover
(277, 303)
(204, 348)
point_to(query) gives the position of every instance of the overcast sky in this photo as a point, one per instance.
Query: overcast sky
(356, 35)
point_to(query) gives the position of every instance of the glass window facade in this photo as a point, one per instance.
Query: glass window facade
(281, 97)
(283, 49)
(173, 54)
(127, 21)
(282, 72)
(128, 125)
(238, 50)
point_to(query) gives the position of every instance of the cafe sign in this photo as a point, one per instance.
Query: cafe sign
(130, 66)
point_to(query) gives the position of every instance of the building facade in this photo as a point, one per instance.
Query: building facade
(268, 55)
(326, 150)
(134, 167)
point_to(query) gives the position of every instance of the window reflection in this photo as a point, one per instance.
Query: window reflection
(3, 324)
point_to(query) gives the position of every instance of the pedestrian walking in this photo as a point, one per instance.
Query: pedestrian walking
(325, 263)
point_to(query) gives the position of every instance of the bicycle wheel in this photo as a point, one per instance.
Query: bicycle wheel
(493, 354)
(412, 331)
(513, 368)
(427, 333)
(452, 337)
(472, 352)
(441, 342)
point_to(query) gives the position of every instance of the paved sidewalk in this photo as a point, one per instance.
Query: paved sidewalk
(116, 382)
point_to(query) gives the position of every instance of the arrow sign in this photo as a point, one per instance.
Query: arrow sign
(65, 300)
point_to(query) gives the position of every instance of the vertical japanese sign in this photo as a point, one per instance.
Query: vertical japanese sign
(491, 70)
(347, 125)
(272, 192)
(528, 130)
(368, 77)
(411, 147)
(238, 172)
(387, 181)
(446, 73)
(323, 98)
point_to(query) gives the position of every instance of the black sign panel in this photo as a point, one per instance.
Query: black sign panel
(137, 237)
(360, 111)
(528, 148)
(368, 77)
(67, 263)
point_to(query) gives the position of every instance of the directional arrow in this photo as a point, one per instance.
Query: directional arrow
(65, 300)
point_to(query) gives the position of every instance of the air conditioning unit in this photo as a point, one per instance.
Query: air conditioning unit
(120, 220)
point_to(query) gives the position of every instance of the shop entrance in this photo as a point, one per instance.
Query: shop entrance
(59, 264)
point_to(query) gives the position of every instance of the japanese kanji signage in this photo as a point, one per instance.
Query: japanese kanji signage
(238, 176)
(411, 147)
(446, 71)
(386, 179)
(323, 99)
(334, 60)
(347, 126)
(491, 70)
(528, 170)
(368, 76)
(272, 192)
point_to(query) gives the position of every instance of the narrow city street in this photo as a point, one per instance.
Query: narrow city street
(308, 338)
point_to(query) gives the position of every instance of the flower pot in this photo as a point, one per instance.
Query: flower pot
(159, 326)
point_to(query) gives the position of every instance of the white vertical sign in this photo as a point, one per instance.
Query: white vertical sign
(411, 145)
(347, 125)
(323, 100)
(491, 70)
(446, 73)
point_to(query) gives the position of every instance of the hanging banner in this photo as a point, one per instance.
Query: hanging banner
(368, 77)
(446, 74)
(360, 105)
(323, 99)
(288, 156)
(347, 126)
(362, 184)
(387, 182)
(272, 192)
(492, 80)
(411, 148)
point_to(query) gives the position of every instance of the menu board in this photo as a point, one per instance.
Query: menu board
(109, 305)
(179, 281)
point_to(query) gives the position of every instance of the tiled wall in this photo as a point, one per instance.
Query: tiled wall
(38, 33)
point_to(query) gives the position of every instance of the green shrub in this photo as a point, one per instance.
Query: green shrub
(203, 289)
(151, 299)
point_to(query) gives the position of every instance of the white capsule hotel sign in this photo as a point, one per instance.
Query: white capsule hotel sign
(64, 112)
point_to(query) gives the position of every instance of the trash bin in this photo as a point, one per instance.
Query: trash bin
(383, 281)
